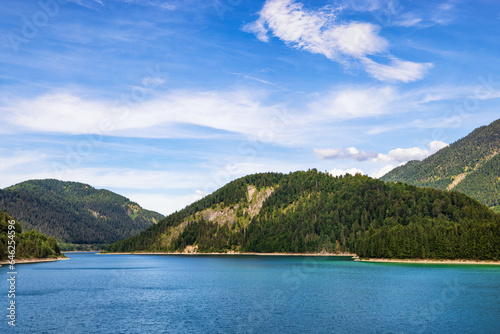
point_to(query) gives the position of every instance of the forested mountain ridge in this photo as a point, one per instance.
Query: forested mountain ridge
(311, 212)
(471, 165)
(75, 213)
(31, 244)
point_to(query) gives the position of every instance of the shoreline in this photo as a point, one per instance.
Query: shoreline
(429, 261)
(34, 260)
(353, 256)
(87, 251)
(234, 253)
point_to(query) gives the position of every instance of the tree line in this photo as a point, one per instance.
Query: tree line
(311, 212)
(31, 244)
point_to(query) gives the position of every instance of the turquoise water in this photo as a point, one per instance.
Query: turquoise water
(250, 294)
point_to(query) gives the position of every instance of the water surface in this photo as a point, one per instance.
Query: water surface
(93, 293)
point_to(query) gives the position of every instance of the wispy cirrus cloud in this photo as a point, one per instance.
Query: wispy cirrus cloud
(321, 32)
(408, 20)
(195, 114)
(356, 102)
(66, 112)
(396, 13)
(198, 114)
(212, 113)
(91, 4)
(167, 5)
(12, 161)
(254, 79)
(397, 70)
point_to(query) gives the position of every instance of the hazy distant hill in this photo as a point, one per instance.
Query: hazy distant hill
(75, 213)
(471, 165)
(315, 212)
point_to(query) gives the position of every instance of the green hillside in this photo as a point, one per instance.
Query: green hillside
(28, 245)
(77, 215)
(311, 212)
(471, 165)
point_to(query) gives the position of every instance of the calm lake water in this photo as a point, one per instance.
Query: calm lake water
(250, 294)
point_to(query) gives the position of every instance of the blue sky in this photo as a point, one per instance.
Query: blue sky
(166, 101)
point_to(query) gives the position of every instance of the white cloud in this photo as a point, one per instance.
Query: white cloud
(384, 170)
(358, 39)
(367, 5)
(196, 114)
(315, 31)
(403, 154)
(398, 70)
(162, 203)
(396, 155)
(91, 4)
(162, 190)
(392, 12)
(200, 193)
(221, 114)
(13, 161)
(351, 103)
(254, 78)
(258, 29)
(116, 178)
(233, 111)
(339, 153)
(444, 13)
(285, 19)
(231, 114)
(329, 153)
(413, 153)
(436, 145)
(339, 172)
(407, 20)
(319, 31)
(152, 189)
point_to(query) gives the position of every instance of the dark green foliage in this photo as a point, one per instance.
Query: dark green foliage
(475, 156)
(65, 247)
(315, 212)
(75, 213)
(483, 184)
(230, 194)
(31, 244)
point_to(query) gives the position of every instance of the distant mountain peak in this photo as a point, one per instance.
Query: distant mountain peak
(470, 165)
(74, 212)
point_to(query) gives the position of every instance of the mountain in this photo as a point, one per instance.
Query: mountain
(471, 166)
(31, 244)
(75, 213)
(311, 212)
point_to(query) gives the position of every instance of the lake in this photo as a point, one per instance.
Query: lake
(93, 293)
